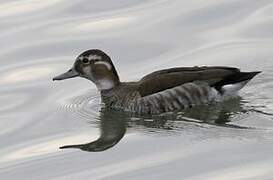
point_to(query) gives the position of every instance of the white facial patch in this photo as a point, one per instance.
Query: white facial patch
(109, 66)
(87, 70)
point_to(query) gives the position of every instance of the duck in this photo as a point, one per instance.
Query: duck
(162, 91)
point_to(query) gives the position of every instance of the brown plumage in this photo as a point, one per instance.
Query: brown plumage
(161, 91)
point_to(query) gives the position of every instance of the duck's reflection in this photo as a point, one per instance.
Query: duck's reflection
(113, 124)
(112, 129)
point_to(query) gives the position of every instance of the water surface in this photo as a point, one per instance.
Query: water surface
(40, 39)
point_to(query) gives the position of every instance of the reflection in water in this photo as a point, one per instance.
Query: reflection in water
(218, 113)
(112, 127)
(113, 124)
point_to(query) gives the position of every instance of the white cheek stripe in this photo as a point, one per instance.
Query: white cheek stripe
(104, 63)
(94, 57)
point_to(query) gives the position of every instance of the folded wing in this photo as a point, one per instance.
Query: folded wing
(169, 78)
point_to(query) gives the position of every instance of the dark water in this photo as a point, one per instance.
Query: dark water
(40, 39)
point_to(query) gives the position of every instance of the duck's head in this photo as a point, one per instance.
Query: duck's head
(96, 66)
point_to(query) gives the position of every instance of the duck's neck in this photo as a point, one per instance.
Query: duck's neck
(107, 83)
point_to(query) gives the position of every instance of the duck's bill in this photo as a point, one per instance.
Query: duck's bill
(69, 74)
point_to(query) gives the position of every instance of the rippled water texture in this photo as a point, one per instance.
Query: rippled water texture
(40, 39)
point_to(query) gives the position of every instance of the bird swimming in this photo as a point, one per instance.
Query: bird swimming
(161, 91)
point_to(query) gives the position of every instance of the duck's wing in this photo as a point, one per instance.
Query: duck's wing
(168, 78)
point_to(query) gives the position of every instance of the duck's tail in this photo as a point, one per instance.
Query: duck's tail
(234, 83)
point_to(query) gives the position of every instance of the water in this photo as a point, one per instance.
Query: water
(40, 39)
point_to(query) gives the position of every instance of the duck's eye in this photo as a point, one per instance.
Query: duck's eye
(85, 60)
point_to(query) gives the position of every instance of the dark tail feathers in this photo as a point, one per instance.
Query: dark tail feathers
(244, 76)
(236, 78)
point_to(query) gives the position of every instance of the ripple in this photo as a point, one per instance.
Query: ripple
(27, 72)
(20, 7)
(85, 106)
(257, 170)
(263, 14)
(99, 25)
(42, 147)
(87, 26)
(10, 104)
